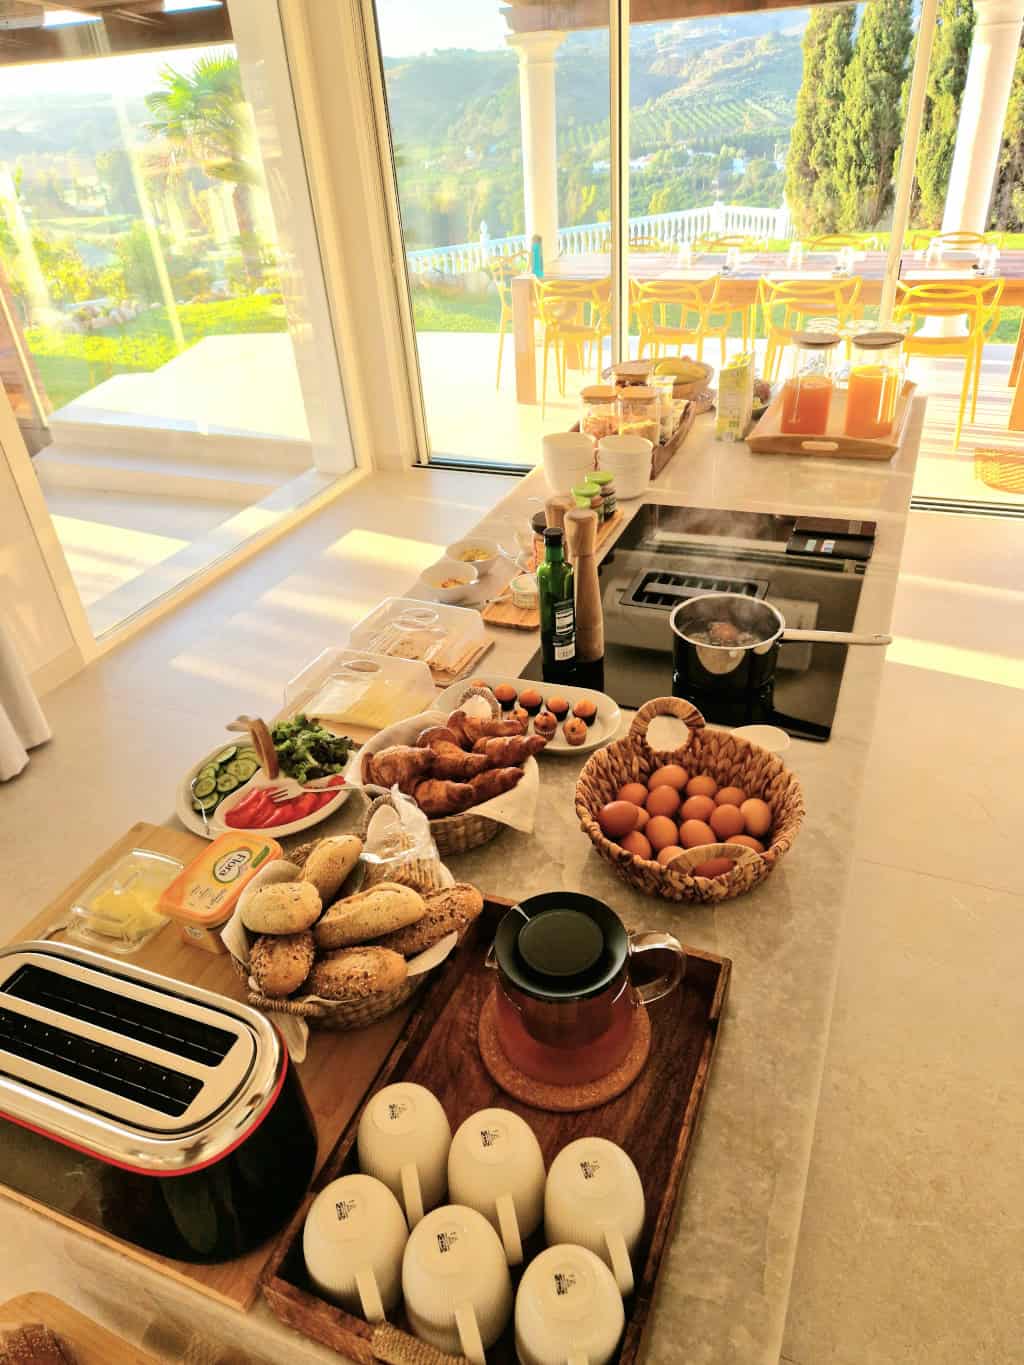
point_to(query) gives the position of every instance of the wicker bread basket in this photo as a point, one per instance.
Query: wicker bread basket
(731, 761)
(340, 1015)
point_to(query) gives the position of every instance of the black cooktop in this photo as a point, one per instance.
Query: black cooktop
(667, 554)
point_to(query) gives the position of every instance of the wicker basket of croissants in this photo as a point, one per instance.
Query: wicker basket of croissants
(452, 768)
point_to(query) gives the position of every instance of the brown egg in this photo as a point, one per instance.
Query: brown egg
(661, 832)
(693, 833)
(746, 841)
(633, 791)
(666, 855)
(636, 843)
(702, 785)
(670, 775)
(730, 796)
(726, 820)
(757, 816)
(641, 817)
(617, 819)
(714, 867)
(697, 808)
(663, 800)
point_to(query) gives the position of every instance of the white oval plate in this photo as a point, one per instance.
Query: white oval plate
(603, 730)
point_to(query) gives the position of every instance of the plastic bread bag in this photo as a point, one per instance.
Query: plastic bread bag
(398, 846)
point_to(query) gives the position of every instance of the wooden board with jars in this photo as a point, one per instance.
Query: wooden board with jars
(768, 438)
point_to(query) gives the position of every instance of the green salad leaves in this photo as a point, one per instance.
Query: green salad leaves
(305, 750)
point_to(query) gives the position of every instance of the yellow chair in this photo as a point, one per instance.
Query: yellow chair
(574, 313)
(698, 304)
(503, 270)
(835, 241)
(726, 242)
(649, 243)
(977, 303)
(801, 300)
(959, 241)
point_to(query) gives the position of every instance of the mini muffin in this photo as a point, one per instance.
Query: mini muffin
(520, 714)
(558, 706)
(531, 701)
(476, 682)
(575, 730)
(506, 695)
(585, 710)
(546, 724)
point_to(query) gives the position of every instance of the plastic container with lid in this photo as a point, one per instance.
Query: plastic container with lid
(807, 393)
(349, 687)
(874, 384)
(202, 897)
(599, 415)
(428, 632)
(117, 913)
(605, 481)
(639, 413)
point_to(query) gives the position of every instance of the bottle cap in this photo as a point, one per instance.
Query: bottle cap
(553, 535)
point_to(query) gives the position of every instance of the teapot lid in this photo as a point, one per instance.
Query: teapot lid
(561, 946)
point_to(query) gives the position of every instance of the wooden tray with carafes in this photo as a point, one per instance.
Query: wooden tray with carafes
(768, 438)
(654, 1120)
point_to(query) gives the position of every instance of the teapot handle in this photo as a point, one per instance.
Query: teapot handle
(650, 942)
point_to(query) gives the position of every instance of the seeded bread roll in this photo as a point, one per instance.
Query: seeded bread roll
(384, 908)
(282, 908)
(445, 910)
(34, 1344)
(357, 974)
(330, 863)
(280, 963)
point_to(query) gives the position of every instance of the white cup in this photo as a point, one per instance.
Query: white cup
(496, 1167)
(403, 1140)
(568, 457)
(353, 1240)
(594, 1199)
(568, 1309)
(458, 1292)
(629, 459)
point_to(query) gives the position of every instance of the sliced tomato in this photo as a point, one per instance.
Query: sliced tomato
(284, 814)
(304, 805)
(323, 798)
(338, 780)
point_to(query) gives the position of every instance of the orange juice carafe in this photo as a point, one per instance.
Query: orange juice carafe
(876, 377)
(807, 393)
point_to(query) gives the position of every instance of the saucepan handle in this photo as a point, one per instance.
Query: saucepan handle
(668, 981)
(833, 637)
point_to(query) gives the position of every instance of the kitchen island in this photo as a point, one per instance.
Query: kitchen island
(725, 1278)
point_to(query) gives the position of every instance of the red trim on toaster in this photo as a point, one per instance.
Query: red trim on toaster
(160, 1175)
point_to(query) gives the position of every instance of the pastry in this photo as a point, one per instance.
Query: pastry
(440, 732)
(469, 729)
(34, 1344)
(398, 764)
(503, 751)
(520, 714)
(437, 797)
(454, 908)
(494, 783)
(280, 963)
(545, 725)
(574, 730)
(369, 914)
(558, 706)
(452, 762)
(357, 974)
(282, 908)
(505, 695)
(329, 864)
(531, 700)
(585, 710)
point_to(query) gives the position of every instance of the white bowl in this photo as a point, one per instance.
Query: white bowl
(567, 457)
(448, 569)
(524, 591)
(629, 459)
(487, 550)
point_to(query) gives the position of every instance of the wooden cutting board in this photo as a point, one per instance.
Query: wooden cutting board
(91, 1343)
(335, 1075)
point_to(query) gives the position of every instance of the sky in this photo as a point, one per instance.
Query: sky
(411, 26)
(136, 75)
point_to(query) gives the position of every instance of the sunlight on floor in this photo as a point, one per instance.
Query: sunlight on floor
(103, 558)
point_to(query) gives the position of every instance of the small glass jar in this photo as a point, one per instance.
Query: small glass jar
(589, 495)
(629, 373)
(639, 413)
(599, 415)
(874, 385)
(605, 481)
(807, 393)
(664, 385)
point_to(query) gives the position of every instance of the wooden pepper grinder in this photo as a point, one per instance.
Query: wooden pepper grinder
(581, 537)
(554, 512)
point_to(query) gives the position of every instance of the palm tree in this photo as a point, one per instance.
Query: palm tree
(202, 117)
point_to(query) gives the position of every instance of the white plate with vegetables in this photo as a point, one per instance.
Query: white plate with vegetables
(228, 789)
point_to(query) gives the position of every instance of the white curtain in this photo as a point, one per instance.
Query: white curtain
(22, 723)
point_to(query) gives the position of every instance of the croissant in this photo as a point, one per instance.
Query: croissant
(435, 797)
(494, 783)
(425, 738)
(399, 763)
(469, 729)
(452, 762)
(509, 750)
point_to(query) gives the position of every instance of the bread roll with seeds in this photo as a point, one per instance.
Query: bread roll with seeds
(357, 974)
(329, 864)
(369, 914)
(280, 963)
(282, 908)
(454, 908)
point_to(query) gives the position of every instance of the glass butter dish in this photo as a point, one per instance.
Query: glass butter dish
(117, 912)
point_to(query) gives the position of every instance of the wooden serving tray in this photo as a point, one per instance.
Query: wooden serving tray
(768, 438)
(91, 1343)
(654, 1120)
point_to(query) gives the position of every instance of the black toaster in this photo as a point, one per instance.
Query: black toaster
(164, 1114)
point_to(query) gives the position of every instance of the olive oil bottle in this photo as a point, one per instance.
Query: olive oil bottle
(557, 611)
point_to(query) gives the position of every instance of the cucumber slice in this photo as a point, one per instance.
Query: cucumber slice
(247, 751)
(206, 803)
(208, 770)
(243, 768)
(204, 786)
(235, 767)
(226, 755)
(226, 783)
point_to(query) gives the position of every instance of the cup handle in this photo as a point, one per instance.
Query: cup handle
(661, 985)
(622, 1266)
(509, 1224)
(369, 1295)
(412, 1196)
(469, 1334)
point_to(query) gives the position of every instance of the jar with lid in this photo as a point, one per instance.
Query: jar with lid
(807, 393)
(605, 481)
(589, 495)
(664, 386)
(599, 415)
(876, 378)
(629, 373)
(639, 413)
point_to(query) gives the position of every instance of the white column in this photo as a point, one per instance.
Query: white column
(979, 136)
(536, 52)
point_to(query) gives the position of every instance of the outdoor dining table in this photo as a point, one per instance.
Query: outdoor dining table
(738, 286)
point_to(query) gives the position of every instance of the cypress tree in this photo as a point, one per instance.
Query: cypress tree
(800, 172)
(870, 125)
(1008, 200)
(835, 60)
(947, 75)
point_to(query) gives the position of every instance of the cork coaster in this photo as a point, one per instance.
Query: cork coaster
(561, 1099)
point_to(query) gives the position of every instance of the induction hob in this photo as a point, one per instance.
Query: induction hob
(667, 554)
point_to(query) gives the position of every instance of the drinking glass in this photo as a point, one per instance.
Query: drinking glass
(795, 256)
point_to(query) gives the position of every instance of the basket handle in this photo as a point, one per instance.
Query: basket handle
(262, 741)
(666, 706)
(395, 1347)
(487, 695)
(385, 799)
